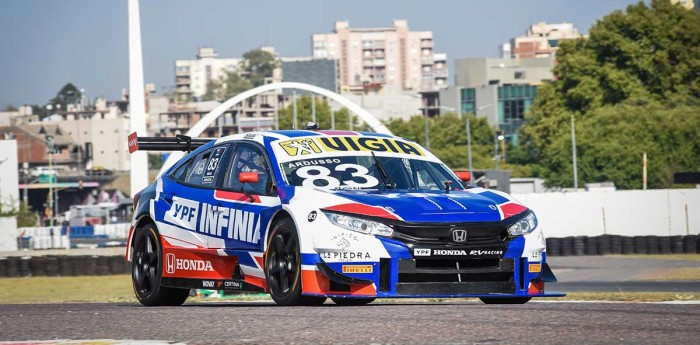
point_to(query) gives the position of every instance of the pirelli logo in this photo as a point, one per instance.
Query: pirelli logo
(357, 268)
(310, 146)
(534, 268)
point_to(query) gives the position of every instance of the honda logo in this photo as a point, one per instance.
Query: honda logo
(459, 235)
(170, 263)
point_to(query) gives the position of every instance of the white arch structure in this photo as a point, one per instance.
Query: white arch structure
(209, 118)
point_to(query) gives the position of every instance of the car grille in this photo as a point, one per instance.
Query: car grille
(477, 234)
(455, 270)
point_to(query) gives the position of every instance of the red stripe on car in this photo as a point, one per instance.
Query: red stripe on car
(362, 209)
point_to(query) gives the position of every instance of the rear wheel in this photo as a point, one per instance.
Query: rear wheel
(283, 265)
(147, 268)
(505, 300)
(352, 301)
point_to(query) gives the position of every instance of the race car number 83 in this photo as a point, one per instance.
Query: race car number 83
(311, 174)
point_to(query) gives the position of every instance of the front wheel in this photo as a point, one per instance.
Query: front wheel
(505, 300)
(283, 264)
(146, 271)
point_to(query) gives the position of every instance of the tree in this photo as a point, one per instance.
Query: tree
(634, 77)
(229, 85)
(257, 65)
(448, 138)
(323, 115)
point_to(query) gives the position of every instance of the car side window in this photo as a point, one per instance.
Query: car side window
(203, 169)
(249, 158)
(181, 172)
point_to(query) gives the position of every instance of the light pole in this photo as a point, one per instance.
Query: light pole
(332, 118)
(498, 136)
(469, 134)
(427, 129)
(25, 165)
(573, 151)
(49, 146)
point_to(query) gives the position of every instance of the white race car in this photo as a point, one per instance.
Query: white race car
(307, 215)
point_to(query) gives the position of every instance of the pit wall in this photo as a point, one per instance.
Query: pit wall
(661, 212)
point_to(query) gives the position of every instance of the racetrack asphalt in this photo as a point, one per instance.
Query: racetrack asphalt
(617, 274)
(380, 323)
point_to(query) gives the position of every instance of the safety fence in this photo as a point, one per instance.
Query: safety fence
(63, 265)
(51, 237)
(616, 244)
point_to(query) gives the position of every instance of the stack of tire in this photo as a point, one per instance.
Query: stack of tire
(616, 244)
(62, 265)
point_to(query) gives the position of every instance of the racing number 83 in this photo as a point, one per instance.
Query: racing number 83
(323, 174)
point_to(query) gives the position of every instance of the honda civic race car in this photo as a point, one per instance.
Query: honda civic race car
(309, 215)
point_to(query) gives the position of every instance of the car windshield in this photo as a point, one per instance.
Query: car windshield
(363, 172)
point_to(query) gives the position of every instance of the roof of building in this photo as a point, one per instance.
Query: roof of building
(40, 131)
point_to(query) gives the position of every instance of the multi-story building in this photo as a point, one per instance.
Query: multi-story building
(192, 76)
(318, 72)
(501, 90)
(688, 4)
(371, 57)
(540, 40)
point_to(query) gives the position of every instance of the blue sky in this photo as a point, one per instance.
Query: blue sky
(46, 43)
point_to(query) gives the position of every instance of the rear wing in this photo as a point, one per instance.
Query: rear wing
(177, 143)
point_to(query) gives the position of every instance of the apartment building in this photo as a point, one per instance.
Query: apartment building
(374, 57)
(540, 40)
(192, 76)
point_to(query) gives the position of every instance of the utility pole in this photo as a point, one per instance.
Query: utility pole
(573, 150)
(294, 107)
(644, 171)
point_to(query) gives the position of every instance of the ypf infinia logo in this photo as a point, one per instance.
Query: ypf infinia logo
(170, 263)
(459, 235)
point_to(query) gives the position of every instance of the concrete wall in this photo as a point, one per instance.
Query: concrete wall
(628, 213)
(8, 234)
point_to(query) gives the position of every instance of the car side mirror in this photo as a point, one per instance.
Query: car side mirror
(248, 177)
(465, 176)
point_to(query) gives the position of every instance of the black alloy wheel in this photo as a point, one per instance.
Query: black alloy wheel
(505, 300)
(283, 267)
(146, 271)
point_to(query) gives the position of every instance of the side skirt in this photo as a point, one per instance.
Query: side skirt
(236, 285)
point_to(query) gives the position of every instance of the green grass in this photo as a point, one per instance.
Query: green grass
(115, 288)
(668, 274)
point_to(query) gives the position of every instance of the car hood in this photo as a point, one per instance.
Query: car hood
(458, 206)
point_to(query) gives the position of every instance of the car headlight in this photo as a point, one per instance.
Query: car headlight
(524, 226)
(358, 224)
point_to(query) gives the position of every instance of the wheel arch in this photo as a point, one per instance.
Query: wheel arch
(140, 223)
(279, 215)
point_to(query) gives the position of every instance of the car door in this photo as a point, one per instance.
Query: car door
(187, 201)
(248, 206)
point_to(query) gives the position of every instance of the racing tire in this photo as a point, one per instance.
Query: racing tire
(352, 302)
(147, 268)
(283, 266)
(505, 300)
